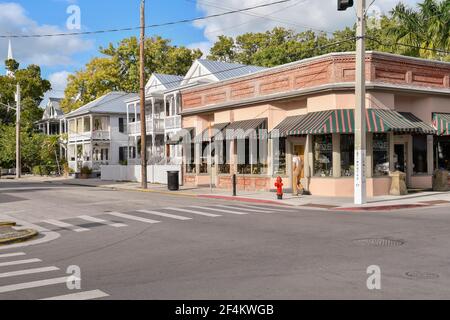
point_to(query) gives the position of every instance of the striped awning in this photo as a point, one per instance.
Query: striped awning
(343, 121)
(215, 130)
(180, 136)
(280, 131)
(424, 127)
(441, 121)
(245, 129)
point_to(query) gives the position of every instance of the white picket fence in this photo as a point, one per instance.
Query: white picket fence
(155, 173)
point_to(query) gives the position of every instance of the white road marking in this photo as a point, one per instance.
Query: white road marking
(130, 217)
(17, 262)
(101, 221)
(162, 214)
(195, 212)
(243, 208)
(27, 271)
(34, 284)
(86, 295)
(272, 208)
(221, 210)
(65, 225)
(15, 254)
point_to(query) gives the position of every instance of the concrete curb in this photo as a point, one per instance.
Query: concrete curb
(29, 235)
(383, 208)
(243, 199)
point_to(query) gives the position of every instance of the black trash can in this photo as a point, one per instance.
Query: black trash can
(173, 180)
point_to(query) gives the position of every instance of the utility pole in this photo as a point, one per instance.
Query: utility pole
(142, 103)
(360, 108)
(18, 156)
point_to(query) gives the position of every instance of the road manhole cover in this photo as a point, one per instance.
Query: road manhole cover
(421, 275)
(379, 242)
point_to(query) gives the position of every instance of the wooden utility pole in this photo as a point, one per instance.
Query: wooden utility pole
(18, 156)
(142, 99)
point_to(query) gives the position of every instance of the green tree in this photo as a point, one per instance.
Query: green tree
(118, 69)
(427, 27)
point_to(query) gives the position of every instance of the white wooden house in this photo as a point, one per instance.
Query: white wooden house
(97, 133)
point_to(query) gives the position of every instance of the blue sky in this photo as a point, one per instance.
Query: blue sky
(60, 56)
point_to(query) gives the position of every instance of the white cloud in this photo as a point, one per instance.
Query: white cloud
(59, 83)
(297, 14)
(45, 51)
(204, 46)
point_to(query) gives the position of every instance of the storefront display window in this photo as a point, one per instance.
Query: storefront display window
(380, 154)
(442, 153)
(224, 157)
(204, 157)
(252, 156)
(323, 155)
(279, 156)
(347, 155)
(420, 163)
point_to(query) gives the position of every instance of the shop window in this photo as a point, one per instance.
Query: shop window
(420, 163)
(279, 156)
(252, 156)
(380, 154)
(442, 153)
(323, 155)
(204, 157)
(347, 155)
(224, 157)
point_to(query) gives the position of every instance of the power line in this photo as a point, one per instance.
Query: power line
(147, 27)
(408, 45)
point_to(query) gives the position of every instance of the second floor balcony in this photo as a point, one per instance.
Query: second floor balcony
(90, 135)
(172, 122)
(153, 126)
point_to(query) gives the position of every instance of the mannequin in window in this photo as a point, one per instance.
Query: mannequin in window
(297, 166)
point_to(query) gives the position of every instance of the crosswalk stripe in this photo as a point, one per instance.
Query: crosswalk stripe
(273, 208)
(15, 254)
(130, 217)
(243, 208)
(167, 215)
(195, 212)
(17, 262)
(101, 221)
(221, 210)
(86, 295)
(33, 284)
(27, 271)
(65, 225)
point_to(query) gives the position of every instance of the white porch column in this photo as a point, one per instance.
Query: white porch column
(336, 137)
(48, 127)
(153, 127)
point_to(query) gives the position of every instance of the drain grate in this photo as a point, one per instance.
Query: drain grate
(421, 275)
(379, 242)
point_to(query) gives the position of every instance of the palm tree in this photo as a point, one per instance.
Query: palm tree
(427, 27)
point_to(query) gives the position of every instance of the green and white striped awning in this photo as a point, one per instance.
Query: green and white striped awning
(215, 130)
(343, 121)
(441, 121)
(245, 129)
(280, 131)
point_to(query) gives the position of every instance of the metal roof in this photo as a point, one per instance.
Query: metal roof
(169, 81)
(225, 70)
(113, 102)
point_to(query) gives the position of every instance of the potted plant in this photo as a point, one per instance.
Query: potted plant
(85, 172)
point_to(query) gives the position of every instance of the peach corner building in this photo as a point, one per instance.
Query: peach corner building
(306, 109)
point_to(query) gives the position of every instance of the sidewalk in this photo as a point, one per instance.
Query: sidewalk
(380, 203)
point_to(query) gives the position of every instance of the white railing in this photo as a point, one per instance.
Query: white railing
(101, 135)
(173, 122)
(96, 135)
(152, 125)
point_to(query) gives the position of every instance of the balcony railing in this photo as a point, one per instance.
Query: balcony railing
(152, 126)
(173, 122)
(95, 135)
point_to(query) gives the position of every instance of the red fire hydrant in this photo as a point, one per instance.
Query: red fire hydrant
(279, 186)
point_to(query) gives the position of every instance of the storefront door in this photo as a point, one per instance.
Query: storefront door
(298, 172)
(400, 157)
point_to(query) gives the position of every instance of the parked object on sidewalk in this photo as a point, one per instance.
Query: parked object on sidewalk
(173, 182)
(234, 185)
(440, 180)
(398, 184)
(279, 186)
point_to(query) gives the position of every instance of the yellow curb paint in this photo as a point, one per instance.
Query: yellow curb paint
(31, 234)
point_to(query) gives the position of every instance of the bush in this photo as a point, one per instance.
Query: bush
(86, 170)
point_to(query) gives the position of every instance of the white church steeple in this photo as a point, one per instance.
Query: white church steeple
(10, 56)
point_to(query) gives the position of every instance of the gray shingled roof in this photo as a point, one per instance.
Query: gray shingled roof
(225, 70)
(113, 102)
(170, 81)
(55, 103)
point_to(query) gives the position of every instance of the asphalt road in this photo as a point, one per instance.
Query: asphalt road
(189, 248)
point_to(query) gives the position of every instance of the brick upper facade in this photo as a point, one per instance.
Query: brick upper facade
(330, 69)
